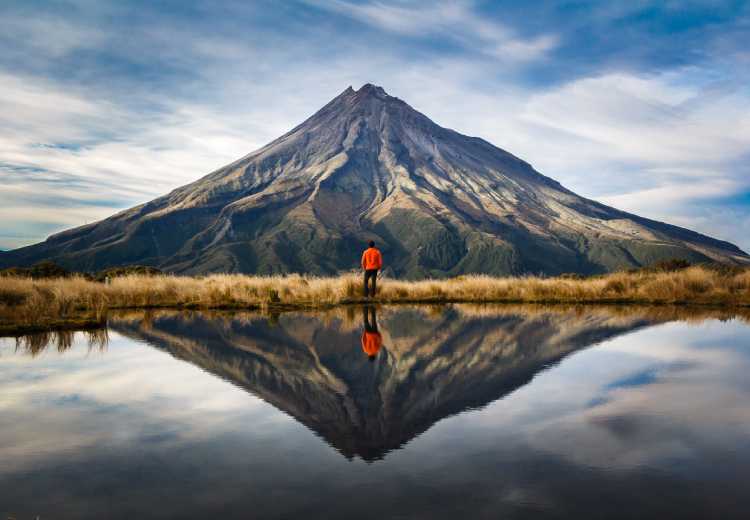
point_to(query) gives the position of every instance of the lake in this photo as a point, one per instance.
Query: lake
(395, 412)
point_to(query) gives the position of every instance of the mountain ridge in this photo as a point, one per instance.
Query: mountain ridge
(367, 166)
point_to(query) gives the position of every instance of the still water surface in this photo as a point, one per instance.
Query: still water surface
(407, 413)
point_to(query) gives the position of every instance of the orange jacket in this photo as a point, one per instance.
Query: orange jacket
(372, 259)
(371, 342)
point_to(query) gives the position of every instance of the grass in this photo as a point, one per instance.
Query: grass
(48, 303)
(350, 318)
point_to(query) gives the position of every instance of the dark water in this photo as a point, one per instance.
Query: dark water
(460, 413)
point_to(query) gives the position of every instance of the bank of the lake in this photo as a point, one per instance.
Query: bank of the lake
(28, 305)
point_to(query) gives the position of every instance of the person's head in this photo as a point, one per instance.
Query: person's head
(372, 243)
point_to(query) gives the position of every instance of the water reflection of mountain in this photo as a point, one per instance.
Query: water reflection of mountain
(430, 366)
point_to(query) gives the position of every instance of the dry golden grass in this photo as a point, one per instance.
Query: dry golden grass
(27, 302)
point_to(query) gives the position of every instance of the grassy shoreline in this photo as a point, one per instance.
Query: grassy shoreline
(27, 304)
(37, 341)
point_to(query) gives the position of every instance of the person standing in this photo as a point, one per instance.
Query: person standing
(372, 262)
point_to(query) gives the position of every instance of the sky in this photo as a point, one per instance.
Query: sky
(643, 105)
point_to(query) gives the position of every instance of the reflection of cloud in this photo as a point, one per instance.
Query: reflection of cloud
(140, 391)
(648, 375)
(680, 401)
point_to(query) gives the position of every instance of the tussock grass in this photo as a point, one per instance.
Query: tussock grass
(28, 302)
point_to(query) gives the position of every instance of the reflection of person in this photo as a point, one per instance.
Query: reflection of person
(372, 261)
(371, 338)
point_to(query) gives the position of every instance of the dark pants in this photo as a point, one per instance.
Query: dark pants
(370, 319)
(371, 275)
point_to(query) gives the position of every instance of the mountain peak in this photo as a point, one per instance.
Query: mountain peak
(372, 90)
(367, 166)
(367, 94)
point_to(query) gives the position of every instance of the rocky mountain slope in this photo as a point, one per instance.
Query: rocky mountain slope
(368, 166)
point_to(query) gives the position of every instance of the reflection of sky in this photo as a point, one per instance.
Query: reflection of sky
(669, 383)
(662, 412)
(128, 379)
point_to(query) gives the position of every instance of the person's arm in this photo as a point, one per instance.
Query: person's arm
(362, 262)
(380, 260)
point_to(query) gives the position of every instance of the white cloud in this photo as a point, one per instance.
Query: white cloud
(48, 35)
(457, 21)
(652, 119)
(649, 199)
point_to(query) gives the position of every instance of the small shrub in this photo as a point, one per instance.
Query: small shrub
(675, 264)
(351, 288)
(697, 286)
(11, 296)
(725, 270)
(436, 291)
(126, 270)
(38, 271)
(614, 286)
(273, 296)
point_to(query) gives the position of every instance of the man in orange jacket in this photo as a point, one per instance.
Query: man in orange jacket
(371, 338)
(372, 261)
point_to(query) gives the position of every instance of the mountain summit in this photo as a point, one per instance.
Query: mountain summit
(367, 166)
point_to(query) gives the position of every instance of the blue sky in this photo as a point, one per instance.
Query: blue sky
(644, 105)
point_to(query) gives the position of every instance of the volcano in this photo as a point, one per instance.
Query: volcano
(367, 166)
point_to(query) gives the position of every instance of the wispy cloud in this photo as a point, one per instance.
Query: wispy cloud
(653, 118)
(47, 35)
(454, 21)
